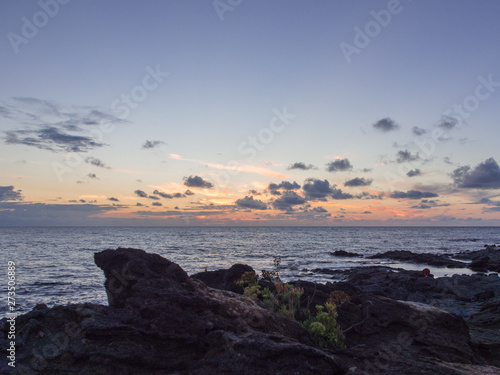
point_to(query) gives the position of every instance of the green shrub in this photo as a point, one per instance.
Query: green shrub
(323, 327)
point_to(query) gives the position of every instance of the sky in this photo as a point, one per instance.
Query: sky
(238, 112)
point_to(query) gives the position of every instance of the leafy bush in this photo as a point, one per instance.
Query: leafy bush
(323, 327)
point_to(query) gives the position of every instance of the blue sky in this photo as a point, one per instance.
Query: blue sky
(204, 79)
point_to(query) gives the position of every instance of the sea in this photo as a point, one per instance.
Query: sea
(55, 265)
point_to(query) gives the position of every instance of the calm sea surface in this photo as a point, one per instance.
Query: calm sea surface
(55, 265)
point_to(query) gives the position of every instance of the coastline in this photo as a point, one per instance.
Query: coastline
(394, 320)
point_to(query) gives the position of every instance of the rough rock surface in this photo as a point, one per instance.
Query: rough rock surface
(484, 260)
(161, 321)
(422, 258)
(343, 253)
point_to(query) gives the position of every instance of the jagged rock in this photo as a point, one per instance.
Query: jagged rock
(423, 258)
(343, 253)
(487, 259)
(161, 321)
(224, 279)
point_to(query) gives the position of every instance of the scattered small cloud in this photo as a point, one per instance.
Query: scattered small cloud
(284, 185)
(418, 131)
(92, 176)
(426, 204)
(485, 175)
(152, 144)
(448, 123)
(288, 200)
(7, 193)
(188, 192)
(414, 172)
(251, 203)
(406, 156)
(141, 193)
(386, 125)
(157, 204)
(197, 181)
(113, 199)
(96, 162)
(302, 166)
(412, 194)
(358, 181)
(339, 165)
(315, 189)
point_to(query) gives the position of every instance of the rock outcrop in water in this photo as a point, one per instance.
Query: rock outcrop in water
(161, 321)
(484, 260)
(421, 258)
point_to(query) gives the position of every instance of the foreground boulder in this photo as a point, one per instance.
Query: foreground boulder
(161, 321)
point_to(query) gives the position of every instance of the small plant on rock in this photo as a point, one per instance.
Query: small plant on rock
(323, 327)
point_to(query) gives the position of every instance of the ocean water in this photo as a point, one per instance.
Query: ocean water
(55, 265)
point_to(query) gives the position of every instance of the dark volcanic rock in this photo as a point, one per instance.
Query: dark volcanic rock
(484, 260)
(224, 279)
(160, 321)
(343, 253)
(423, 258)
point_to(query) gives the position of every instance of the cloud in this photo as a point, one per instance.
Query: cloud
(92, 176)
(50, 126)
(414, 172)
(139, 204)
(302, 166)
(113, 199)
(197, 181)
(152, 144)
(418, 131)
(485, 175)
(319, 209)
(188, 192)
(339, 194)
(315, 189)
(339, 165)
(17, 213)
(250, 203)
(51, 139)
(141, 193)
(358, 181)
(157, 204)
(162, 194)
(7, 193)
(367, 212)
(406, 156)
(96, 162)
(412, 194)
(153, 197)
(386, 125)
(426, 204)
(448, 123)
(284, 185)
(288, 200)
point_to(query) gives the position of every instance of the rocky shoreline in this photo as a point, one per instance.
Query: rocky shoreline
(162, 321)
